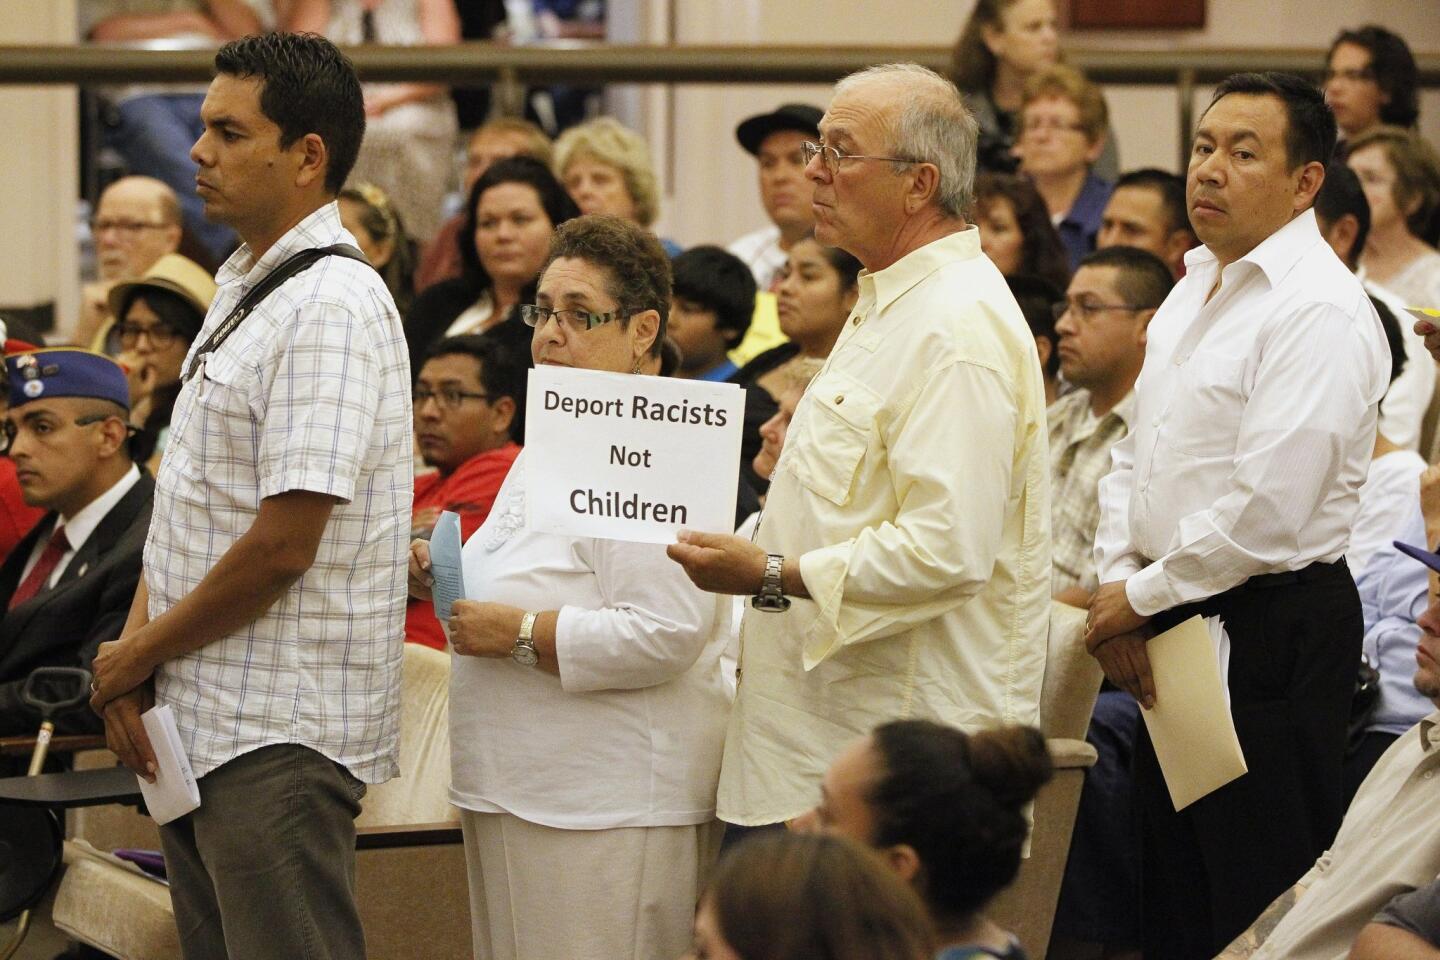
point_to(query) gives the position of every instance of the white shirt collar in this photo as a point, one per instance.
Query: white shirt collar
(1274, 255)
(79, 527)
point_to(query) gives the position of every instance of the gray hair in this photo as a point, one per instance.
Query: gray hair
(933, 126)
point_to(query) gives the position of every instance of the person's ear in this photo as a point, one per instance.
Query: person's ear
(1142, 328)
(1312, 177)
(1177, 245)
(1042, 346)
(313, 159)
(504, 415)
(113, 434)
(644, 328)
(850, 298)
(991, 37)
(1092, 153)
(904, 861)
(924, 185)
(384, 250)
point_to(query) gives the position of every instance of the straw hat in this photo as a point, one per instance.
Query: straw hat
(175, 274)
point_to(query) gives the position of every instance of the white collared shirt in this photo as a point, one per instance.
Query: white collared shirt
(1254, 424)
(311, 392)
(79, 527)
(914, 491)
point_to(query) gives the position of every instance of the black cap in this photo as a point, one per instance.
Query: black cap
(792, 116)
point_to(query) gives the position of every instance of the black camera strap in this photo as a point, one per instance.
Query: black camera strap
(287, 269)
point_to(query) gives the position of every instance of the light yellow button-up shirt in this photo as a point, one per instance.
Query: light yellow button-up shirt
(914, 490)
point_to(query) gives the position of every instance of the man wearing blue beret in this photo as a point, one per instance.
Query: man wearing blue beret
(67, 586)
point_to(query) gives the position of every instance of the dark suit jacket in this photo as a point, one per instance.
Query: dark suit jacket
(65, 625)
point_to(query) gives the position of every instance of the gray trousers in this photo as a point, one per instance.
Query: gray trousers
(266, 866)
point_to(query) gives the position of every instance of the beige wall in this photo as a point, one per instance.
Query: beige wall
(40, 183)
(714, 197)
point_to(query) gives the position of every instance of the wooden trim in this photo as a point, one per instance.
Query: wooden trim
(1137, 14)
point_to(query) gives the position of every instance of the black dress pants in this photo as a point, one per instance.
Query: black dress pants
(1209, 870)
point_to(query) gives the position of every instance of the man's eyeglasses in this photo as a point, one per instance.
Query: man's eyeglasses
(831, 157)
(161, 335)
(577, 321)
(449, 398)
(1085, 311)
(9, 430)
(126, 228)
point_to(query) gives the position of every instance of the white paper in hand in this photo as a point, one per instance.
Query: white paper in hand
(1190, 725)
(445, 566)
(174, 792)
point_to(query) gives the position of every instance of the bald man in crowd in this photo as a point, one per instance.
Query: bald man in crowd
(137, 221)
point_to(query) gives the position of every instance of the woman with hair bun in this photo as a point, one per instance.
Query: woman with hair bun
(946, 810)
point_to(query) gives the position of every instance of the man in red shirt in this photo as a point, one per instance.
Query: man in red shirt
(469, 413)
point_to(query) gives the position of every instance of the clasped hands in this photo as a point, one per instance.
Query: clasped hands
(1115, 635)
(120, 691)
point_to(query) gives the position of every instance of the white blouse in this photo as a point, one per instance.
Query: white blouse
(630, 734)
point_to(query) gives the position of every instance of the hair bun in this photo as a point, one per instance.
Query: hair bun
(1012, 762)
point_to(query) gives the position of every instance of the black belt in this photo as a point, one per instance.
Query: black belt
(1213, 606)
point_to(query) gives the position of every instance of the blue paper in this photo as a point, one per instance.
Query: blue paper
(445, 567)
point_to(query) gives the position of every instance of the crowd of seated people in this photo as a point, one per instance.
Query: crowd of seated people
(1089, 251)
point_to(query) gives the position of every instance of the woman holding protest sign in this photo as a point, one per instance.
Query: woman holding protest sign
(587, 709)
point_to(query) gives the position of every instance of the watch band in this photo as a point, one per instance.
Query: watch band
(771, 598)
(524, 652)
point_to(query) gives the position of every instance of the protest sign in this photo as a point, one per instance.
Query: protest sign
(629, 457)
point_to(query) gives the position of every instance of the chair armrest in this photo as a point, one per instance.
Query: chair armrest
(70, 743)
(407, 835)
(1071, 754)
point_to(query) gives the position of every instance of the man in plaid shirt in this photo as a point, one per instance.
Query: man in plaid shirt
(270, 616)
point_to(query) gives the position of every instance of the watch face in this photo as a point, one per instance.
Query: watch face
(525, 655)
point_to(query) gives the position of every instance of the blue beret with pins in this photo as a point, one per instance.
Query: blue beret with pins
(65, 372)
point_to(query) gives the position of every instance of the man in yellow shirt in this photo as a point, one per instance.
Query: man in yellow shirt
(902, 565)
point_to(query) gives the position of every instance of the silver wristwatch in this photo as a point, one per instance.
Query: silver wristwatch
(524, 652)
(771, 598)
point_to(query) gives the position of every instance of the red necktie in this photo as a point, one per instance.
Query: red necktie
(44, 567)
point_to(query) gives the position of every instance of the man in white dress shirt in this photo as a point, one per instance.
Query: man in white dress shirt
(1233, 496)
(902, 565)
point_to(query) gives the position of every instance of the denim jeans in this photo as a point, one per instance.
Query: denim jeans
(266, 866)
(154, 134)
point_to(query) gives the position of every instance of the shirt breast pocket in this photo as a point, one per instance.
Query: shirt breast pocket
(214, 427)
(1205, 415)
(836, 435)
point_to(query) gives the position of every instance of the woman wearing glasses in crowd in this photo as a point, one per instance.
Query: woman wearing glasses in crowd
(512, 212)
(158, 317)
(1000, 47)
(587, 709)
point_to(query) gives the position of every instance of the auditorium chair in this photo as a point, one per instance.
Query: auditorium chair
(409, 865)
(1072, 682)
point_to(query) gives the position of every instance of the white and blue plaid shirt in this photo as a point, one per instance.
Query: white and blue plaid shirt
(311, 392)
